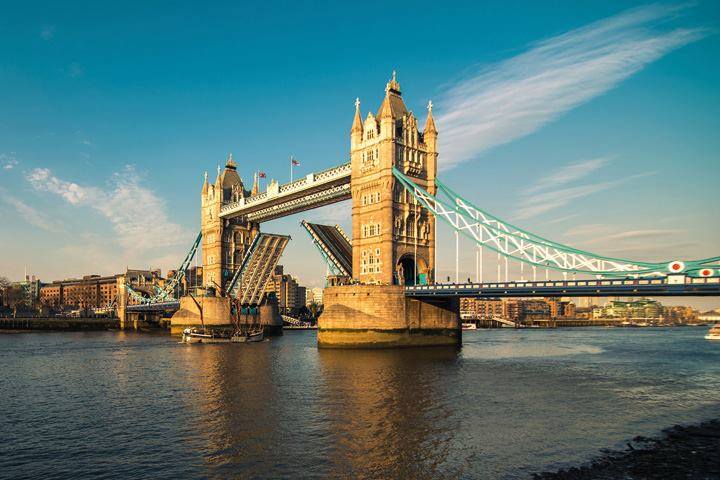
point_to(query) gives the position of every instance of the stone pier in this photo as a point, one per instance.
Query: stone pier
(216, 314)
(380, 316)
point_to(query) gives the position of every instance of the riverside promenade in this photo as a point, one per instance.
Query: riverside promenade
(58, 324)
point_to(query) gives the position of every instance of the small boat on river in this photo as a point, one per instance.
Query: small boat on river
(202, 335)
(714, 333)
(469, 326)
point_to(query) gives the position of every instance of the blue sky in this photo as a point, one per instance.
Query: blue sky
(593, 125)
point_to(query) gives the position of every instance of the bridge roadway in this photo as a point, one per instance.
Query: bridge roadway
(312, 191)
(627, 287)
(154, 307)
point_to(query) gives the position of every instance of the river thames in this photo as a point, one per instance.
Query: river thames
(509, 403)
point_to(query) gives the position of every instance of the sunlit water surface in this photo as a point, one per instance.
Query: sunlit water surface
(116, 405)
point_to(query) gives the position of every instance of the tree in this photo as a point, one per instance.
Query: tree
(4, 284)
(15, 296)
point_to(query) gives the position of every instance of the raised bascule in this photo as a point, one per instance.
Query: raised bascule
(382, 288)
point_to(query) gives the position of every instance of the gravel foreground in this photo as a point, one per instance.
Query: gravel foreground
(682, 452)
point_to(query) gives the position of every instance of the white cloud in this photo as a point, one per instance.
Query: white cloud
(517, 96)
(569, 173)
(75, 70)
(47, 32)
(546, 201)
(639, 234)
(562, 219)
(137, 214)
(28, 213)
(8, 161)
(43, 179)
(549, 193)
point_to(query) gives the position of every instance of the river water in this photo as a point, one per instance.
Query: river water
(125, 405)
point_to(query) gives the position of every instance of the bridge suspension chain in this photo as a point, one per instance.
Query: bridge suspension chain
(165, 293)
(528, 248)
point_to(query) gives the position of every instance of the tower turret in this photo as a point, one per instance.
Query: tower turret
(430, 132)
(391, 109)
(256, 185)
(356, 131)
(205, 184)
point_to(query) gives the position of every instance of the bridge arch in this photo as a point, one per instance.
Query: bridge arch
(410, 269)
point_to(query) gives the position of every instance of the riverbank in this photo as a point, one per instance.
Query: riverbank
(688, 452)
(15, 325)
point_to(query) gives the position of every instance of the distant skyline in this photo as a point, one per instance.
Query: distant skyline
(595, 126)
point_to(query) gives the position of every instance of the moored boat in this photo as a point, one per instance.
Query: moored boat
(713, 333)
(201, 335)
(249, 336)
(469, 326)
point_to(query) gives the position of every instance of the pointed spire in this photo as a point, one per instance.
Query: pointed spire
(218, 179)
(393, 85)
(230, 163)
(256, 185)
(430, 122)
(357, 125)
(205, 184)
(392, 105)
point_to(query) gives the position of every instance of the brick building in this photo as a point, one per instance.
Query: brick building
(92, 291)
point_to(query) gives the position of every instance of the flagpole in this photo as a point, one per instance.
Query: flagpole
(291, 168)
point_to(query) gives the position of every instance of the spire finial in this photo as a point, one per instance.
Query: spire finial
(205, 175)
(357, 103)
(430, 105)
(218, 170)
(393, 84)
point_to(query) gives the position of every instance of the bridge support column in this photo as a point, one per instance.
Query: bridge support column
(216, 314)
(380, 316)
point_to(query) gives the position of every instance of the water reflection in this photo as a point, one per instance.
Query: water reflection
(234, 414)
(388, 414)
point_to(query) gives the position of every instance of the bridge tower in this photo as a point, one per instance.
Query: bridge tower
(393, 237)
(224, 241)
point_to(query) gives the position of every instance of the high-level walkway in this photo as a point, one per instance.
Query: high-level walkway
(312, 191)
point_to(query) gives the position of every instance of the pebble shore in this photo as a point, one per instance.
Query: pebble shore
(681, 452)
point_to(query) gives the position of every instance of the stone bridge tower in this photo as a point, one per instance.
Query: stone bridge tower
(224, 242)
(393, 237)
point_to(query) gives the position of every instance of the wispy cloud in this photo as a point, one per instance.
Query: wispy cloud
(562, 219)
(47, 32)
(137, 214)
(43, 179)
(652, 243)
(551, 192)
(28, 213)
(569, 173)
(8, 161)
(516, 97)
(75, 70)
(640, 234)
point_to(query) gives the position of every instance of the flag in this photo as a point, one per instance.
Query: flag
(261, 175)
(295, 162)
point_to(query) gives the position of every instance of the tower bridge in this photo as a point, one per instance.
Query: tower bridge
(385, 291)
